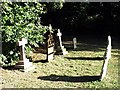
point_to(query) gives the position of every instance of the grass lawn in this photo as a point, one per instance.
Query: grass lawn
(80, 68)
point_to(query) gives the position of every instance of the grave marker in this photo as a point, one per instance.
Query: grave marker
(59, 34)
(108, 50)
(75, 42)
(107, 56)
(24, 63)
(50, 45)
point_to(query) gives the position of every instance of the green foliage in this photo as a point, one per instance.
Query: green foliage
(21, 20)
(55, 5)
(3, 59)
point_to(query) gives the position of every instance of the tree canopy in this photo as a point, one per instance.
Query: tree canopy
(102, 17)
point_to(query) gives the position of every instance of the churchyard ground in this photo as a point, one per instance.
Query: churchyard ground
(80, 68)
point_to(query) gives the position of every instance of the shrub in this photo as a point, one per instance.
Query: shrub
(20, 20)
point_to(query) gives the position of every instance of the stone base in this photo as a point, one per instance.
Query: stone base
(50, 53)
(24, 65)
(50, 57)
(62, 50)
(28, 69)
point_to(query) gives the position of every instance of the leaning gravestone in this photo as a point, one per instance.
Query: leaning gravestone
(50, 45)
(75, 42)
(62, 49)
(24, 63)
(108, 50)
(107, 56)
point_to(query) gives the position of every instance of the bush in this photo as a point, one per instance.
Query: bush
(20, 20)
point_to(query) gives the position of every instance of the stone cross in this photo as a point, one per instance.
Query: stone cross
(75, 42)
(50, 27)
(59, 34)
(107, 56)
(22, 48)
(24, 63)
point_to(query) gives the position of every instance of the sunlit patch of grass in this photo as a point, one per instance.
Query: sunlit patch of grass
(63, 68)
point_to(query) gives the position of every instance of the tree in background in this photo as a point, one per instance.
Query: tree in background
(81, 17)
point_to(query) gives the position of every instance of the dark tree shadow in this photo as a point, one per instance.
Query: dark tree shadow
(70, 78)
(42, 61)
(9, 67)
(85, 58)
(40, 50)
(93, 47)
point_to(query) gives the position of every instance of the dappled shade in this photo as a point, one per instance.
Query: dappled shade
(42, 61)
(85, 58)
(70, 78)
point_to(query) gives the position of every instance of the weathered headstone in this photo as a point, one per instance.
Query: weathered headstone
(75, 42)
(24, 63)
(59, 34)
(108, 50)
(50, 45)
(107, 56)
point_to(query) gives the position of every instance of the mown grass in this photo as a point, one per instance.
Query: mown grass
(78, 69)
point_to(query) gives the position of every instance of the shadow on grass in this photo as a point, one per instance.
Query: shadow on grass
(42, 61)
(70, 78)
(40, 50)
(9, 67)
(85, 58)
(85, 48)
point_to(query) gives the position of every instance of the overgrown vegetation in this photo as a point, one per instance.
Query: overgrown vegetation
(21, 20)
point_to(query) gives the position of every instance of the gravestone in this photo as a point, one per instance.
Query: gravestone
(108, 50)
(75, 42)
(23, 63)
(107, 56)
(61, 49)
(50, 45)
